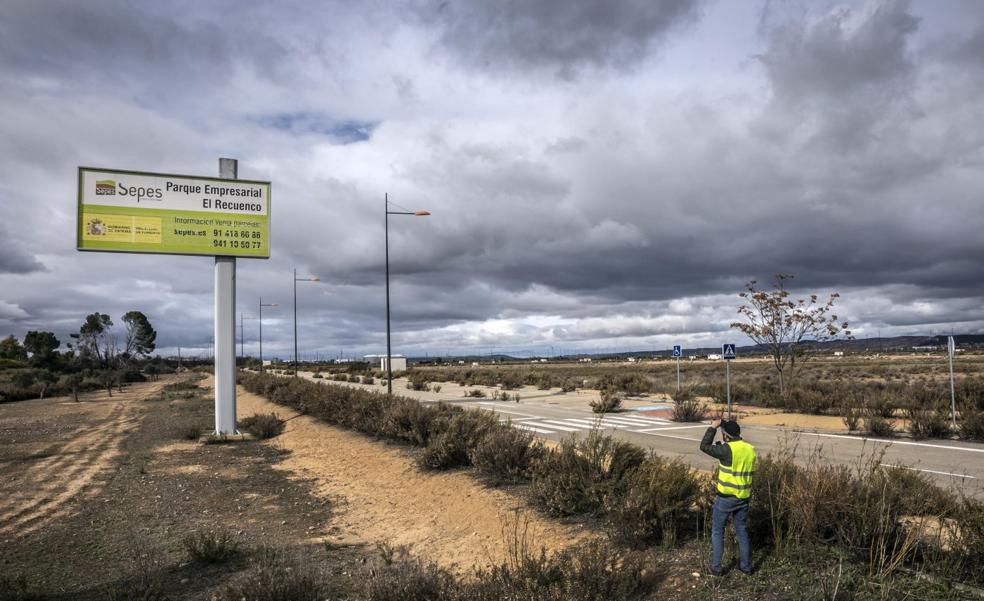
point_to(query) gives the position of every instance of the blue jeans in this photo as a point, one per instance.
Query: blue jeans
(723, 507)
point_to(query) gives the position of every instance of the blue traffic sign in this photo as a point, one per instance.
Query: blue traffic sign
(677, 351)
(728, 352)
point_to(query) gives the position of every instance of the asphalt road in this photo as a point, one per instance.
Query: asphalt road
(956, 464)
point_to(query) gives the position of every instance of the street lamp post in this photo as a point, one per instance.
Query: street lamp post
(297, 279)
(242, 335)
(389, 352)
(262, 304)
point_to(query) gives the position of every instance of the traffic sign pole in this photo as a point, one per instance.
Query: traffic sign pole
(951, 348)
(728, 353)
(728, 377)
(677, 351)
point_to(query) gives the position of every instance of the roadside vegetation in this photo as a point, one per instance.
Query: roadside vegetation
(884, 524)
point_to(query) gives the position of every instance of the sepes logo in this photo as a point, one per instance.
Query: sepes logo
(105, 187)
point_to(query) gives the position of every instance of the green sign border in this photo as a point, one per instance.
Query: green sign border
(78, 216)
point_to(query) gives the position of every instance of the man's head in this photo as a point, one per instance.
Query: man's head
(730, 429)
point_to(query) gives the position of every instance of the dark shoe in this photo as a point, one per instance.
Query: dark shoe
(745, 572)
(713, 572)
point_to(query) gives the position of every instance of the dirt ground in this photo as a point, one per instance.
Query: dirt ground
(97, 492)
(382, 497)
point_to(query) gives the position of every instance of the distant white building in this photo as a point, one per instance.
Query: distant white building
(399, 361)
(714, 357)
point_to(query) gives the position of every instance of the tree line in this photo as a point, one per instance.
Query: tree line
(97, 355)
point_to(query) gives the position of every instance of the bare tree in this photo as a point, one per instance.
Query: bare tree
(785, 326)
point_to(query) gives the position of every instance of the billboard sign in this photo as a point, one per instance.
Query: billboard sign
(138, 212)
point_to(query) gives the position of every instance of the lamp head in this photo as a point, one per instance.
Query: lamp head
(421, 213)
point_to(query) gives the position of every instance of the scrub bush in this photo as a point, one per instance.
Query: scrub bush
(263, 425)
(209, 548)
(451, 447)
(933, 423)
(686, 407)
(611, 400)
(506, 454)
(876, 425)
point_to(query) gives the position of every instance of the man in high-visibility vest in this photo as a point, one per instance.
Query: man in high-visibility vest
(734, 488)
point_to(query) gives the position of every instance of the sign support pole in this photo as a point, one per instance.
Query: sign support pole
(951, 348)
(727, 365)
(225, 329)
(678, 373)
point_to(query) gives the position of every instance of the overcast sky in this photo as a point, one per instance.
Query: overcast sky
(602, 174)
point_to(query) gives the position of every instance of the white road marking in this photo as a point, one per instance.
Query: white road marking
(583, 421)
(648, 430)
(566, 423)
(892, 442)
(657, 420)
(545, 424)
(497, 410)
(916, 469)
(533, 428)
(627, 421)
(672, 436)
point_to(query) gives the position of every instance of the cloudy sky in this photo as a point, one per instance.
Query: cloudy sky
(602, 174)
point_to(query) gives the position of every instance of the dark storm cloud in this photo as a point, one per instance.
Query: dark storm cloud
(13, 259)
(621, 205)
(562, 35)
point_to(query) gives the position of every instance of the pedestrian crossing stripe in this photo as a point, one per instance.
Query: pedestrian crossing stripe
(546, 425)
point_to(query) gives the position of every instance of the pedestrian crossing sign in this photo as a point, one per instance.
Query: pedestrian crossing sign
(728, 352)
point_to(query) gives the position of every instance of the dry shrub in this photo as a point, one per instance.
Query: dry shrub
(655, 503)
(190, 431)
(209, 548)
(592, 571)
(686, 407)
(928, 424)
(851, 416)
(409, 579)
(263, 425)
(876, 425)
(412, 422)
(611, 400)
(451, 448)
(578, 477)
(276, 576)
(506, 454)
(417, 381)
(971, 423)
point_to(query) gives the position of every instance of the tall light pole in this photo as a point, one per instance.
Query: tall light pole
(297, 279)
(262, 304)
(242, 337)
(389, 352)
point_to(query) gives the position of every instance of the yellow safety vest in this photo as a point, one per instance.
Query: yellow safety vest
(736, 479)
